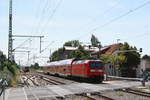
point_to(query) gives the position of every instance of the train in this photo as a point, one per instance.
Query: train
(91, 70)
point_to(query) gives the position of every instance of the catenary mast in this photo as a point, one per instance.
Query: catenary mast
(10, 40)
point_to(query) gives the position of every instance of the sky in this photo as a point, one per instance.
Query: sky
(63, 20)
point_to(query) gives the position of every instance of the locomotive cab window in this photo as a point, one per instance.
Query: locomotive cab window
(96, 64)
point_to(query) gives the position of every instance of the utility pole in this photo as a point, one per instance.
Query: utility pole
(30, 36)
(10, 40)
(40, 44)
(10, 35)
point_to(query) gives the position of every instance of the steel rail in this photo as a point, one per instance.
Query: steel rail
(92, 96)
(56, 82)
(137, 92)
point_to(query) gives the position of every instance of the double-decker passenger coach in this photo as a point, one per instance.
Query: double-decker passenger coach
(92, 70)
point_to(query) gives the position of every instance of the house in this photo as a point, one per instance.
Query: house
(110, 49)
(144, 65)
(87, 48)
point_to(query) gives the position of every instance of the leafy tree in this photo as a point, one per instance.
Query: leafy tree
(115, 60)
(72, 43)
(146, 57)
(60, 54)
(57, 55)
(8, 69)
(2, 57)
(79, 54)
(35, 66)
(95, 42)
(125, 61)
(132, 60)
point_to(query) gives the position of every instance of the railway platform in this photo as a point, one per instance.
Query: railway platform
(52, 91)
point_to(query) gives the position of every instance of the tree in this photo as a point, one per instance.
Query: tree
(72, 43)
(146, 57)
(80, 53)
(2, 57)
(95, 42)
(61, 54)
(131, 62)
(35, 66)
(113, 59)
(8, 69)
(125, 61)
(57, 55)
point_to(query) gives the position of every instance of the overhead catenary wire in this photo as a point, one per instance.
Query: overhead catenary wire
(47, 46)
(36, 14)
(47, 8)
(51, 16)
(22, 44)
(44, 10)
(39, 14)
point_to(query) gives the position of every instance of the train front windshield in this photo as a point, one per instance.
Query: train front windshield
(96, 64)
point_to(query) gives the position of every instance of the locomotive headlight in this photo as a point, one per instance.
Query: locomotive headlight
(93, 70)
(100, 70)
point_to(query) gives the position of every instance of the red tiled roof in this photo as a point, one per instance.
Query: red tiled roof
(110, 48)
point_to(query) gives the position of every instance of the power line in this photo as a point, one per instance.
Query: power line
(137, 36)
(103, 13)
(119, 17)
(123, 15)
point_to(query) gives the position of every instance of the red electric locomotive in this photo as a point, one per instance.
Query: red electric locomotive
(86, 69)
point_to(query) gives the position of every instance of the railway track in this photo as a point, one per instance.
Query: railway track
(28, 80)
(103, 96)
(96, 96)
(52, 81)
(57, 80)
(39, 79)
(25, 81)
(137, 92)
(87, 96)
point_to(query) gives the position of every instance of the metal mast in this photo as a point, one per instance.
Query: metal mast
(10, 40)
